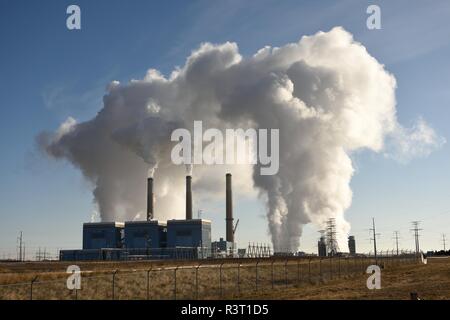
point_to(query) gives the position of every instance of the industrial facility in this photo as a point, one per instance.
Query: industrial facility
(323, 245)
(153, 239)
(352, 245)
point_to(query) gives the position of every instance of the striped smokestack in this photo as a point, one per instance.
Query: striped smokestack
(188, 198)
(150, 199)
(229, 209)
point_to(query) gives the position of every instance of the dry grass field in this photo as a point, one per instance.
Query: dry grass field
(430, 281)
(337, 278)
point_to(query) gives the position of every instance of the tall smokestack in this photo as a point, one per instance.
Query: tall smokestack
(188, 198)
(229, 210)
(149, 199)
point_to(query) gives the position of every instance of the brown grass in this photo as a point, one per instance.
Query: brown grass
(277, 279)
(430, 281)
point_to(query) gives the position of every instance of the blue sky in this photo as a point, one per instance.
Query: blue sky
(48, 73)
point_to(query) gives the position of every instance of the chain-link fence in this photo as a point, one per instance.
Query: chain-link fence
(206, 279)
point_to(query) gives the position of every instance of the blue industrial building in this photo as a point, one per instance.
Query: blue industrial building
(189, 233)
(100, 235)
(145, 234)
(189, 238)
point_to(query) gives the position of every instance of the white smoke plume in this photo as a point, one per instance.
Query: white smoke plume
(327, 96)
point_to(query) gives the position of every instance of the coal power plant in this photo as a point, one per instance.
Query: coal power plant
(152, 239)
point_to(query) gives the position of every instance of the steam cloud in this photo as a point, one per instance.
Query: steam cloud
(326, 94)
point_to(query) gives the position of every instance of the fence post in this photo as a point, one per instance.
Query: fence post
(285, 273)
(309, 270)
(339, 267)
(114, 283)
(331, 267)
(239, 279)
(348, 268)
(148, 282)
(220, 279)
(272, 272)
(31, 287)
(196, 281)
(298, 272)
(320, 268)
(175, 283)
(256, 277)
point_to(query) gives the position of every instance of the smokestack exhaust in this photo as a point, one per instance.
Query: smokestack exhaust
(149, 199)
(188, 198)
(229, 210)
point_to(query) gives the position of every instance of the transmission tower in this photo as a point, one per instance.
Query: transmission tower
(396, 237)
(331, 236)
(416, 230)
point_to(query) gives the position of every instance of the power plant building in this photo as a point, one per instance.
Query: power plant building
(189, 233)
(100, 235)
(145, 234)
(152, 239)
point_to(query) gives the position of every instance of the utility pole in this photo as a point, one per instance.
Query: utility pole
(416, 235)
(20, 246)
(396, 233)
(443, 241)
(374, 240)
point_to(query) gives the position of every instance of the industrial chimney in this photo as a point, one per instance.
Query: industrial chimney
(188, 198)
(149, 199)
(229, 210)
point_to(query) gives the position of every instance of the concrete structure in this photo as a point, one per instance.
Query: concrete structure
(101, 235)
(322, 247)
(145, 234)
(229, 210)
(352, 245)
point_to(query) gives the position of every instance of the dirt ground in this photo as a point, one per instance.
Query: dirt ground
(430, 281)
